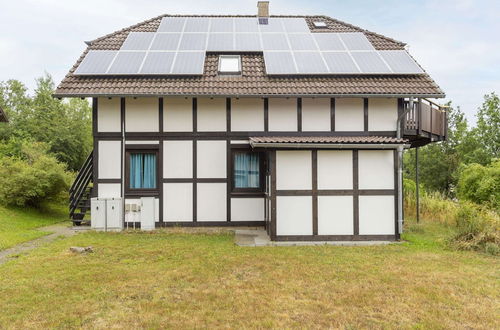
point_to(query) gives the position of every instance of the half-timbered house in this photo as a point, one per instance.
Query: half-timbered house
(294, 123)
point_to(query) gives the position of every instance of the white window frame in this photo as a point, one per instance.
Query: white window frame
(227, 72)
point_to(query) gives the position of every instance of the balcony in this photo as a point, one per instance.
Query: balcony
(425, 122)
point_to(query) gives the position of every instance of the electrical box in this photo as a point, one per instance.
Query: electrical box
(148, 216)
(106, 214)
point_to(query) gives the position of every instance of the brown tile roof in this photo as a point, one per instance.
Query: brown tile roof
(326, 139)
(3, 116)
(253, 81)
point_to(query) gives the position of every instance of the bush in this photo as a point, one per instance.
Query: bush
(477, 229)
(30, 176)
(481, 184)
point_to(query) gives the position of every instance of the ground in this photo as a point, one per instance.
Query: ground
(19, 225)
(178, 280)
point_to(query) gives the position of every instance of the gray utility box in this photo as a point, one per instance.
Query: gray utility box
(106, 214)
(148, 210)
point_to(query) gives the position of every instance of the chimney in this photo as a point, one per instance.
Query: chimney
(263, 11)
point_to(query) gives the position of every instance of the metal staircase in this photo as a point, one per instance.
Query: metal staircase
(81, 192)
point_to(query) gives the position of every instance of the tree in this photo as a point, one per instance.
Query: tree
(488, 125)
(65, 126)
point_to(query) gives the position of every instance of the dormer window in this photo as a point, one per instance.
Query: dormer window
(320, 24)
(229, 65)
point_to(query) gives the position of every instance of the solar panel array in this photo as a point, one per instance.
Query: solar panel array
(180, 44)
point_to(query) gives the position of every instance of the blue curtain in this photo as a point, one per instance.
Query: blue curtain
(246, 170)
(142, 171)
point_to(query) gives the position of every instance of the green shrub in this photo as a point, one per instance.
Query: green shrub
(481, 184)
(32, 176)
(477, 229)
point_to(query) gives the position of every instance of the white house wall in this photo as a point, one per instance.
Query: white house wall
(376, 169)
(211, 159)
(211, 202)
(382, 114)
(316, 114)
(335, 169)
(349, 114)
(247, 115)
(110, 155)
(178, 159)
(195, 182)
(329, 194)
(177, 202)
(335, 215)
(294, 215)
(376, 215)
(178, 114)
(282, 114)
(293, 170)
(247, 209)
(141, 115)
(110, 190)
(109, 115)
(211, 115)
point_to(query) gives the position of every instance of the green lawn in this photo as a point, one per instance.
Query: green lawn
(19, 225)
(170, 279)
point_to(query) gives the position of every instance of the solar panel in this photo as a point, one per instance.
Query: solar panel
(166, 41)
(328, 41)
(96, 62)
(189, 63)
(274, 41)
(310, 62)
(340, 62)
(292, 25)
(220, 42)
(302, 41)
(221, 25)
(197, 24)
(138, 41)
(400, 61)
(356, 41)
(242, 24)
(172, 24)
(158, 63)
(370, 62)
(273, 25)
(193, 41)
(247, 42)
(127, 63)
(279, 63)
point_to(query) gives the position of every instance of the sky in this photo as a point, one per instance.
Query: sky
(456, 41)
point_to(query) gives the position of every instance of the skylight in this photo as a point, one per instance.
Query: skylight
(230, 64)
(320, 24)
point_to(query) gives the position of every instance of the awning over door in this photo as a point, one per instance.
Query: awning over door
(347, 142)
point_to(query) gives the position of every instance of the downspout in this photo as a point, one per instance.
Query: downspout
(123, 161)
(400, 167)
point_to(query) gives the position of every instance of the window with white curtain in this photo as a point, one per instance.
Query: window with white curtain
(247, 170)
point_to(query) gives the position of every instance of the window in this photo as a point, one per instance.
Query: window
(230, 64)
(142, 170)
(247, 171)
(320, 24)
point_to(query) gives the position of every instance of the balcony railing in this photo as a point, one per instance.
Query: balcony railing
(426, 119)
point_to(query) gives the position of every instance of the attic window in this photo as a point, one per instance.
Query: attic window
(229, 65)
(320, 24)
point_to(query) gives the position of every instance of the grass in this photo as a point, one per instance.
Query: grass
(170, 279)
(18, 225)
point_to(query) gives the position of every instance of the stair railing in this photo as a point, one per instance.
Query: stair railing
(80, 184)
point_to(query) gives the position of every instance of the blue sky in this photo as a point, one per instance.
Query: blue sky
(456, 41)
